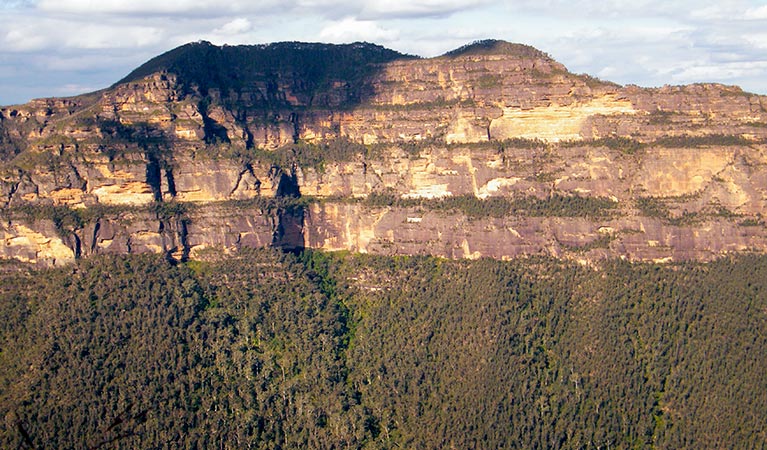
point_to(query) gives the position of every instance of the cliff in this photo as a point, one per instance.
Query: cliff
(493, 149)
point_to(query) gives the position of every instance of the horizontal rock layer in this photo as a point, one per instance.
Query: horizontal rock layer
(385, 230)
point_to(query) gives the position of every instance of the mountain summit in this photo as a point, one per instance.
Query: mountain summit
(311, 66)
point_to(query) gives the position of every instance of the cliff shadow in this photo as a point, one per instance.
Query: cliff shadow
(288, 233)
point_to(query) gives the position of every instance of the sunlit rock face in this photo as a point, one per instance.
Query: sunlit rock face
(184, 159)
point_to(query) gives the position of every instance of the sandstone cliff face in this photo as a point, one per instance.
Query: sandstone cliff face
(686, 166)
(38, 242)
(397, 231)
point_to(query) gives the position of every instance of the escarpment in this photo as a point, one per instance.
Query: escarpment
(491, 150)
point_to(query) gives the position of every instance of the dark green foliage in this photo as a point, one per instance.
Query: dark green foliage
(438, 102)
(539, 354)
(310, 69)
(478, 208)
(379, 199)
(565, 206)
(556, 205)
(658, 207)
(489, 81)
(310, 155)
(496, 47)
(523, 143)
(269, 205)
(652, 207)
(238, 352)
(602, 241)
(141, 134)
(662, 117)
(752, 222)
(265, 350)
(724, 140)
(68, 219)
(631, 146)
(170, 210)
(9, 147)
(624, 145)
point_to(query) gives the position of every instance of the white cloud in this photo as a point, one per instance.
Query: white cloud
(710, 12)
(730, 11)
(350, 29)
(24, 39)
(759, 13)
(32, 34)
(758, 40)
(601, 10)
(103, 37)
(189, 8)
(119, 6)
(387, 9)
(375, 9)
(236, 26)
(692, 73)
(607, 72)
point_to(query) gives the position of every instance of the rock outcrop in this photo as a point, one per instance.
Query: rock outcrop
(290, 144)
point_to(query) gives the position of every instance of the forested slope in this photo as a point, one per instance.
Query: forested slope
(266, 350)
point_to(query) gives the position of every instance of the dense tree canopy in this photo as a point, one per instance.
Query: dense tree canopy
(270, 350)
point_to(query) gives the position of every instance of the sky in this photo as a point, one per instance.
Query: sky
(68, 47)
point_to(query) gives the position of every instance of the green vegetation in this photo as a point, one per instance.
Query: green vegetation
(652, 207)
(312, 70)
(139, 134)
(752, 222)
(343, 150)
(489, 81)
(521, 143)
(662, 117)
(723, 140)
(631, 146)
(270, 205)
(170, 210)
(556, 205)
(270, 350)
(496, 47)
(622, 144)
(439, 102)
(66, 218)
(47, 159)
(602, 241)
(594, 82)
(658, 207)
(9, 147)
(311, 155)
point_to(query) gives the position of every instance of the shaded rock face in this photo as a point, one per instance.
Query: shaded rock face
(686, 165)
(289, 230)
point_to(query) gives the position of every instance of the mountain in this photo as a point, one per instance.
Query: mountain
(493, 149)
(514, 215)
